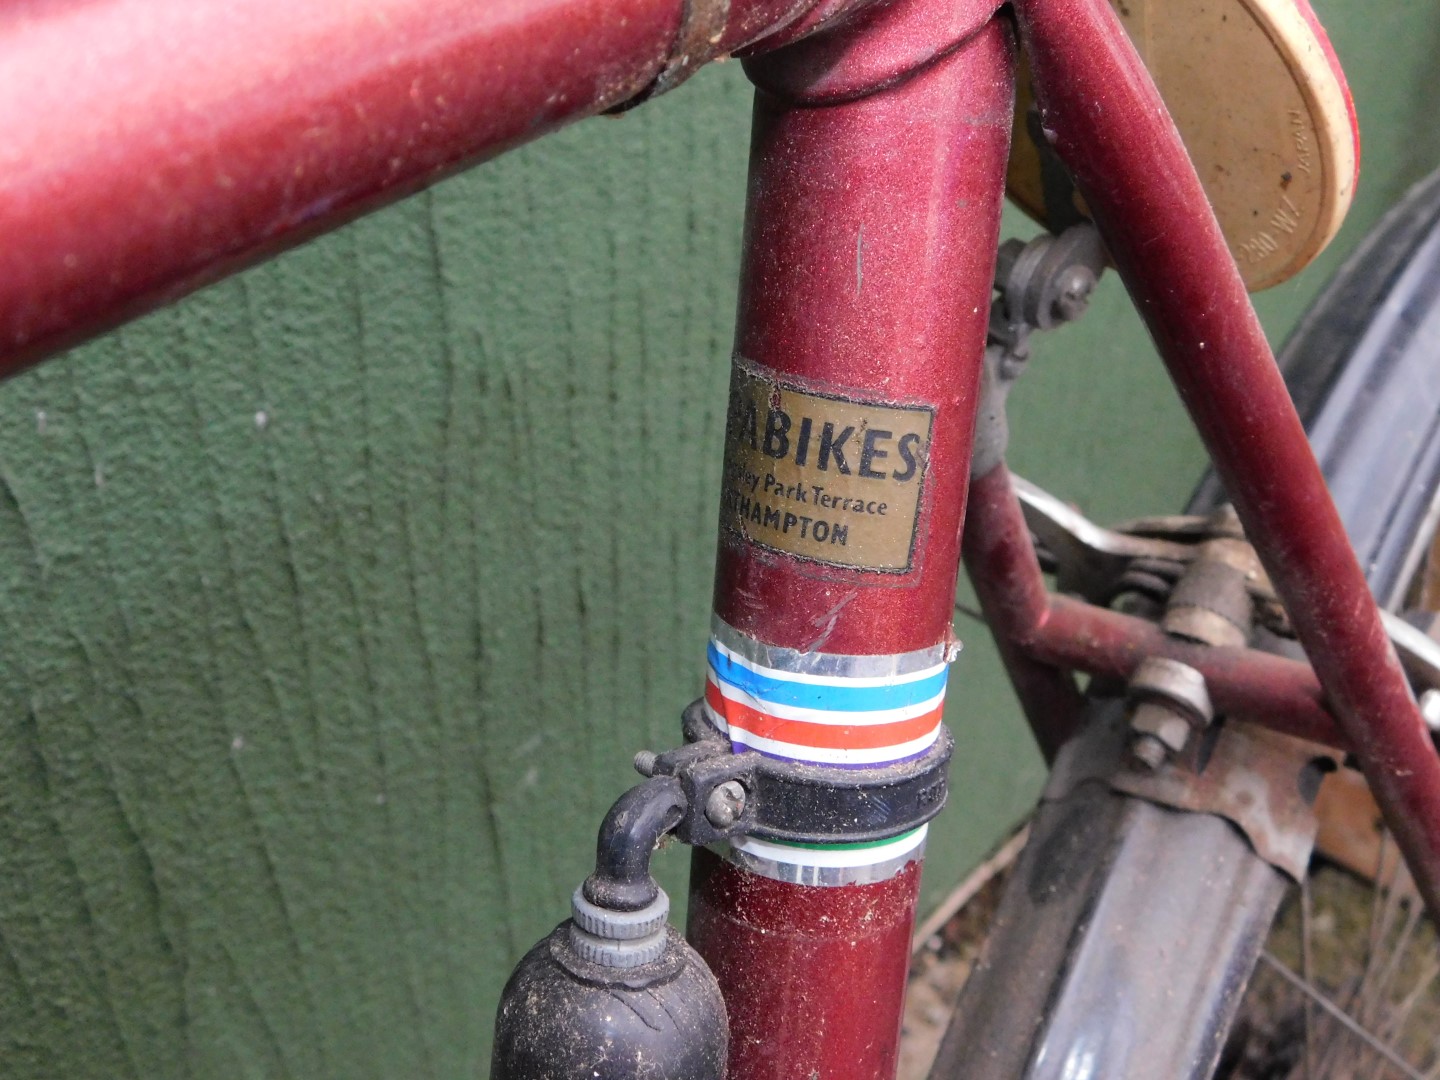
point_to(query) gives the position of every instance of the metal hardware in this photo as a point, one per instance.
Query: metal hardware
(1211, 601)
(728, 794)
(1089, 558)
(795, 803)
(725, 804)
(1175, 684)
(1092, 561)
(1150, 750)
(1041, 284)
(1044, 283)
(1259, 780)
(1168, 701)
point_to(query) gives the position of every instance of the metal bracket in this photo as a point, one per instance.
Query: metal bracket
(793, 802)
(1260, 781)
(1090, 560)
(1040, 284)
(1044, 282)
(702, 769)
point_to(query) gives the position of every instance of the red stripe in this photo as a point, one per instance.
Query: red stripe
(823, 736)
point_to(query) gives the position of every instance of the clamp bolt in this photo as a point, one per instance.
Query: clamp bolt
(725, 804)
(645, 762)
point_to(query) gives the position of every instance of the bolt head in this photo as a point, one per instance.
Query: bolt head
(725, 804)
(1074, 294)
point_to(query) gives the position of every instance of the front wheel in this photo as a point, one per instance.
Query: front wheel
(1128, 930)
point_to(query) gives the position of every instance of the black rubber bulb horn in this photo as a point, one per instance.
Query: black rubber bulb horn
(615, 992)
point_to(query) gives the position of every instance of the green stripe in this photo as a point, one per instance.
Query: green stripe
(846, 847)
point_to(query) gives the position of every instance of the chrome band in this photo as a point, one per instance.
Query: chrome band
(826, 866)
(840, 665)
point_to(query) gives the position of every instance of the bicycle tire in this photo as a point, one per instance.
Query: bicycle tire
(1088, 971)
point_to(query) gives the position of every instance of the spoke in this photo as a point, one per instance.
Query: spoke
(1305, 987)
(1379, 899)
(1308, 971)
(1401, 1013)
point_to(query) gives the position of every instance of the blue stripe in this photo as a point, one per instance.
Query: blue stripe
(819, 696)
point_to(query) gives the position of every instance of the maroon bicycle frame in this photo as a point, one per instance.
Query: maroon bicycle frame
(212, 135)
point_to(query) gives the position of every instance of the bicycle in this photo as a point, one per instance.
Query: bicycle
(876, 452)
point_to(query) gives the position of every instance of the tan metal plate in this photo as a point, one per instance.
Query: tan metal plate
(823, 477)
(1264, 111)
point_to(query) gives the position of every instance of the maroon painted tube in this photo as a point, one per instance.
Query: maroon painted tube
(1011, 589)
(874, 206)
(801, 959)
(152, 146)
(1271, 690)
(869, 250)
(1110, 127)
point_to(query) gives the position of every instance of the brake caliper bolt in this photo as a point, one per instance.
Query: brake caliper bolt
(645, 762)
(725, 804)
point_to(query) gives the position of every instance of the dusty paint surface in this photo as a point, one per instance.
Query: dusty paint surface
(336, 599)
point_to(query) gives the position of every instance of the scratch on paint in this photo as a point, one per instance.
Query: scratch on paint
(826, 623)
(859, 258)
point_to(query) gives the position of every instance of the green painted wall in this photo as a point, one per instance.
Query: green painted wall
(335, 599)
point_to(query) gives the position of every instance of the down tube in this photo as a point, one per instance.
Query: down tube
(870, 241)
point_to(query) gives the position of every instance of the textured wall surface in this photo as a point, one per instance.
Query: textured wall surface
(335, 599)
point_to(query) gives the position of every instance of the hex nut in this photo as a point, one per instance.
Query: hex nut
(1173, 684)
(1162, 723)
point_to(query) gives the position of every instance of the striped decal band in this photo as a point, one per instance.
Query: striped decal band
(824, 708)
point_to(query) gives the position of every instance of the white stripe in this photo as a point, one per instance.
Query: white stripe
(826, 680)
(846, 857)
(721, 724)
(838, 717)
